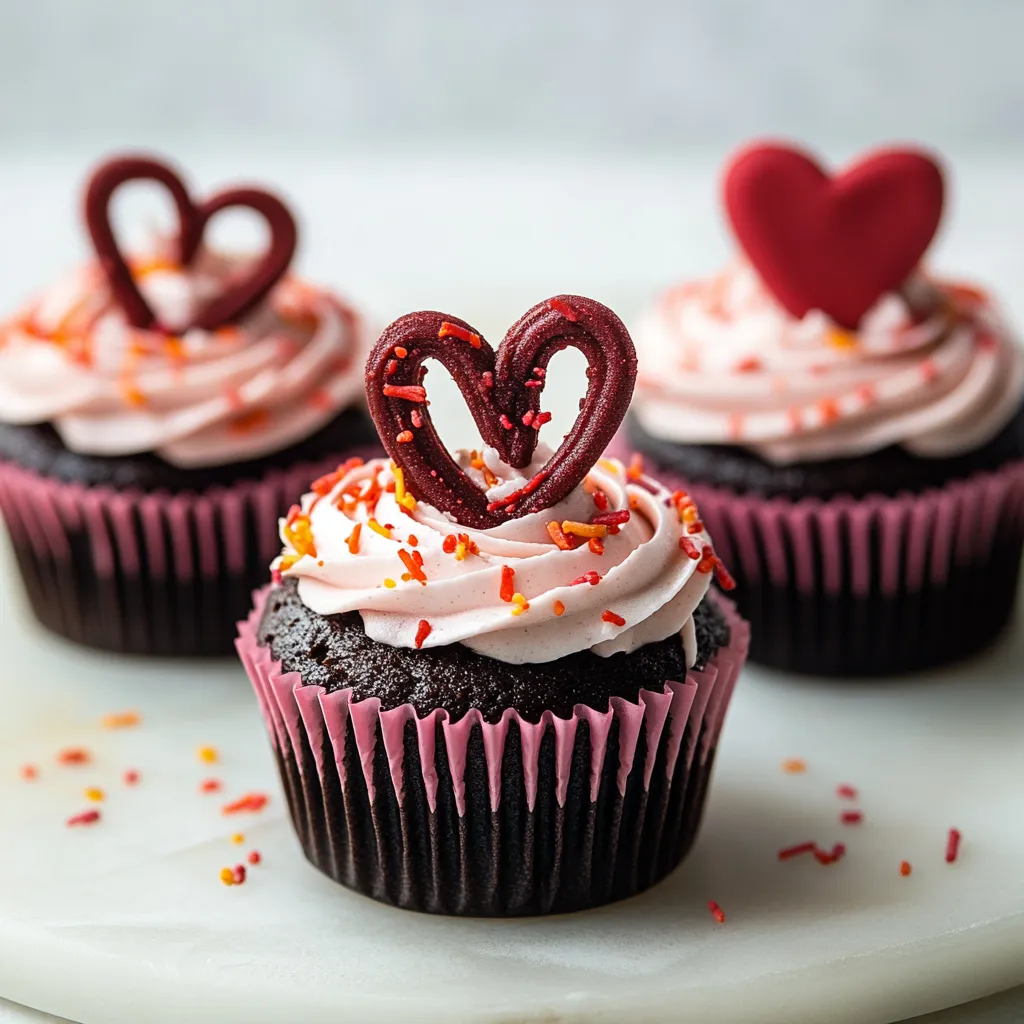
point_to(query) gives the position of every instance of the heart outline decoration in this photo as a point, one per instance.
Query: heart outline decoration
(502, 390)
(833, 242)
(240, 296)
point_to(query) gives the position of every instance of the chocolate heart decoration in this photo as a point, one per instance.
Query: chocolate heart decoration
(833, 243)
(239, 297)
(503, 392)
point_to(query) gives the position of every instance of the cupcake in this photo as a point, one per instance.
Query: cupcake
(851, 426)
(159, 412)
(495, 682)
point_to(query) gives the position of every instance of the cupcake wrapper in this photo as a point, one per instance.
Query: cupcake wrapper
(874, 585)
(140, 573)
(484, 819)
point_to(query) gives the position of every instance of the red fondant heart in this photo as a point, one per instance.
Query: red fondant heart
(833, 243)
(503, 392)
(241, 295)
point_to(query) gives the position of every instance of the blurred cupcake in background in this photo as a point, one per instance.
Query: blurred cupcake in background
(159, 412)
(851, 426)
(495, 684)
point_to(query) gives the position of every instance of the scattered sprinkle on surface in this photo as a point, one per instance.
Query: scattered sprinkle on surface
(74, 756)
(794, 766)
(131, 777)
(255, 857)
(716, 911)
(84, 818)
(210, 786)
(905, 868)
(851, 817)
(953, 845)
(121, 720)
(238, 839)
(251, 802)
(29, 772)
(208, 755)
(95, 794)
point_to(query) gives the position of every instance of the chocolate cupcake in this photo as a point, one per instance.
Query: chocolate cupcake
(851, 427)
(159, 413)
(495, 684)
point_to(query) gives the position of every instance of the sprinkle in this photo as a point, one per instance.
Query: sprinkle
(239, 874)
(794, 766)
(533, 384)
(411, 564)
(401, 352)
(29, 772)
(707, 559)
(519, 604)
(505, 422)
(488, 379)
(74, 755)
(619, 517)
(593, 578)
(905, 868)
(249, 422)
(384, 531)
(449, 330)
(410, 392)
(389, 583)
(563, 307)
(449, 544)
(795, 851)
(323, 485)
(85, 818)
(687, 545)
(254, 857)
(558, 607)
(929, 371)
(584, 529)
(952, 845)
(841, 339)
(253, 802)
(724, 577)
(390, 367)
(695, 527)
(596, 545)
(613, 618)
(749, 365)
(210, 786)
(404, 437)
(636, 467)
(539, 372)
(132, 395)
(507, 589)
(208, 755)
(851, 817)
(528, 417)
(609, 466)
(227, 876)
(120, 720)
(716, 911)
(131, 777)
(600, 499)
(238, 839)
(422, 632)
(352, 540)
(556, 534)
(95, 794)
(825, 857)
(845, 792)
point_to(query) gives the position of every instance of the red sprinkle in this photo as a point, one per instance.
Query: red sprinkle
(417, 419)
(422, 632)
(410, 392)
(533, 383)
(29, 772)
(593, 578)
(725, 579)
(904, 868)
(508, 586)
(528, 417)
(617, 518)
(687, 545)
(795, 851)
(600, 499)
(85, 818)
(596, 545)
(953, 845)
(239, 874)
(255, 857)
(824, 857)
(210, 786)
(505, 422)
(404, 437)
(610, 616)
(253, 802)
(851, 817)
(716, 911)
(563, 307)
(540, 419)
(845, 792)
(455, 331)
(391, 366)
(539, 372)
(449, 545)
(488, 379)
(131, 777)
(74, 755)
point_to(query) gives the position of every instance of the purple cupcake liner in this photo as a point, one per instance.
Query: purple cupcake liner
(495, 819)
(868, 586)
(147, 573)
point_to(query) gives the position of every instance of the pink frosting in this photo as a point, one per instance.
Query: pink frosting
(646, 588)
(197, 399)
(934, 369)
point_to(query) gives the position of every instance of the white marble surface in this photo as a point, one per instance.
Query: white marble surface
(135, 908)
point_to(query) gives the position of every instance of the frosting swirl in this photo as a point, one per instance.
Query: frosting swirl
(200, 398)
(933, 369)
(530, 590)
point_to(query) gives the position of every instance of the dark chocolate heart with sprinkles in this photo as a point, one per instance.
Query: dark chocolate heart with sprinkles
(503, 391)
(241, 295)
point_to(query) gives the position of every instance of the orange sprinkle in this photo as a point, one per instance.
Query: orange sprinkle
(253, 802)
(794, 766)
(210, 786)
(584, 529)
(556, 534)
(132, 394)
(612, 617)
(249, 422)
(401, 352)
(905, 868)
(449, 330)
(298, 531)
(413, 540)
(74, 755)
(448, 547)
(404, 437)
(384, 531)
(208, 755)
(227, 876)
(596, 545)
(29, 772)
(95, 794)
(352, 540)
(489, 478)
(121, 720)
(238, 839)
(559, 608)
(422, 632)
(508, 575)
(636, 467)
(415, 571)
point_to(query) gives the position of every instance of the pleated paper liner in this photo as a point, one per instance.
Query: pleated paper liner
(510, 818)
(871, 586)
(158, 573)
